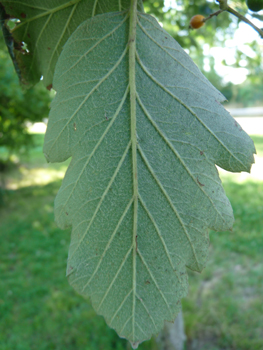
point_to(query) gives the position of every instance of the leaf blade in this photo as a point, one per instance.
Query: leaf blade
(132, 258)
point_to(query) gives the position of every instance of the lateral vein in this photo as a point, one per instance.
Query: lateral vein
(103, 197)
(170, 203)
(187, 107)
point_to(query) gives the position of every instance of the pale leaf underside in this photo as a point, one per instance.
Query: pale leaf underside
(140, 204)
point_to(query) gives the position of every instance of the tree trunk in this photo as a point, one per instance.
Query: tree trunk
(172, 336)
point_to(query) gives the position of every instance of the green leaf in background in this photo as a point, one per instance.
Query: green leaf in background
(144, 129)
(7, 36)
(45, 26)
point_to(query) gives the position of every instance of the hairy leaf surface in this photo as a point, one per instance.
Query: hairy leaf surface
(144, 129)
(45, 27)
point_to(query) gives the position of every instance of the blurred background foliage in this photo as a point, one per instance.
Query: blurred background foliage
(17, 108)
(218, 32)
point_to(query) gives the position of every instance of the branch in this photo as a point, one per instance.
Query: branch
(212, 15)
(224, 7)
(244, 19)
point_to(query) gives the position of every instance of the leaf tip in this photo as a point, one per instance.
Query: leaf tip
(135, 345)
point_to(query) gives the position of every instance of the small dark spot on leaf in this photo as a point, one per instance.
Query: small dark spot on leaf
(201, 152)
(238, 126)
(75, 126)
(23, 15)
(165, 37)
(147, 282)
(66, 213)
(28, 35)
(49, 48)
(18, 45)
(199, 182)
(70, 270)
(49, 87)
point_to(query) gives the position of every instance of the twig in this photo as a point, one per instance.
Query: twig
(212, 15)
(224, 7)
(244, 19)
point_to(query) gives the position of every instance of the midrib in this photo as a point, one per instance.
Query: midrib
(132, 83)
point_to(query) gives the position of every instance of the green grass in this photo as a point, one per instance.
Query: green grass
(258, 140)
(40, 311)
(224, 309)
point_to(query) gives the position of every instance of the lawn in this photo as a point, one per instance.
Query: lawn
(40, 311)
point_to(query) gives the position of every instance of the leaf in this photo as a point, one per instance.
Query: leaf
(45, 27)
(144, 129)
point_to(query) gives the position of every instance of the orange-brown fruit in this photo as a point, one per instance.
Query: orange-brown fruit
(197, 21)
